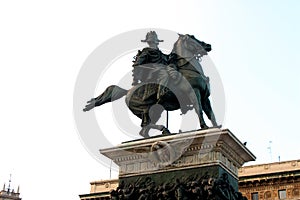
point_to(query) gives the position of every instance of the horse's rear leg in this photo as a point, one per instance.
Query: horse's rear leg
(145, 130)
(149, 120)
(155, 114)
(111, 93)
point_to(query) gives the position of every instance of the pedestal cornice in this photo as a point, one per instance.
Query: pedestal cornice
(180, 151)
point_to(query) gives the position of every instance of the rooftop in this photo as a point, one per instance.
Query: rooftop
(270, 168)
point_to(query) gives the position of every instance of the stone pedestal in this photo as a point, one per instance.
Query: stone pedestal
(184, 158)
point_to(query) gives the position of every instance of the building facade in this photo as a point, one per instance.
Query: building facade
(100, 190)
(271, 181)
(7, 194)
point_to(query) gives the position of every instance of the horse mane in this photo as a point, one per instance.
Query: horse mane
(175, 45)
(179, 50)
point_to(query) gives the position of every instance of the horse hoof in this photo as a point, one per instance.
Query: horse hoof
(217, 126)
(204, 126)
(144, 133)
(166, 131)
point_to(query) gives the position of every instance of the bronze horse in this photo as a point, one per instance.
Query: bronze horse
(184, 84)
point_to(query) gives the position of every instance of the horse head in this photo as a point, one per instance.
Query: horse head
(189, 46)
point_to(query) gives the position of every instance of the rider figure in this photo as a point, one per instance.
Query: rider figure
(150, 66)
(148, 59)
(146, 69)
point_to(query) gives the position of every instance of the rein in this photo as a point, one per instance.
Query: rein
(183, 62)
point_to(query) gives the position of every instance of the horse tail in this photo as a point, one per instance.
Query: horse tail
(111, 94)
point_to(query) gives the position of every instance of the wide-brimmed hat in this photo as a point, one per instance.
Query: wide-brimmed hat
(152, 37)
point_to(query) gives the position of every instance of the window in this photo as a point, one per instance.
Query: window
(296, 192)
(282, 194)
(268, 195)
(254, 196)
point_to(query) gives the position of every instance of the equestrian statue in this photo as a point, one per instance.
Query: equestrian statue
(165, 82)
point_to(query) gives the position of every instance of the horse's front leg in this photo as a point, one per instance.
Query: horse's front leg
(209, 112)
(198, 109)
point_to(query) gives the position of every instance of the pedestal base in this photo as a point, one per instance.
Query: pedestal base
(200, 164)
(185, 176)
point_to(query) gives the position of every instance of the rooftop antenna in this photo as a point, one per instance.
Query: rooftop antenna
(110, 169)
(270, 150)
(8, 189)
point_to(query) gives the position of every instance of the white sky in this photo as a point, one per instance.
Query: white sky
(44, 44)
